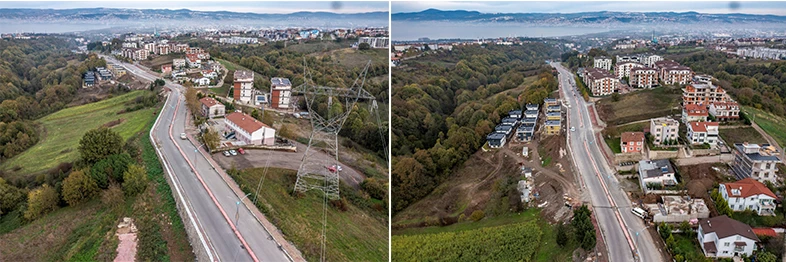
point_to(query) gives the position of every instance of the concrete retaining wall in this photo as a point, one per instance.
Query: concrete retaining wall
(703, 152)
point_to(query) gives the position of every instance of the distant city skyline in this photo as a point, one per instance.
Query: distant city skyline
(232, 6)
(718, 7)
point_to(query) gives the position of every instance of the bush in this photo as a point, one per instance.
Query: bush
(110, 169)
(10, 196)
(40, 202)
(99, 143)
(78, 188)
(134, 180)
(562, 235)
(112, 196)
(374, 188)
(364, 46)
(477, 215)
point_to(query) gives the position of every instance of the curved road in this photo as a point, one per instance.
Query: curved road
(213, 203)
(625, 235)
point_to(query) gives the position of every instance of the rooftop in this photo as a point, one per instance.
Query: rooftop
(208, 101)
(627, 137)
(746, 188)
(655, 168)
(495, 136)
(553, 123)
(723, 227)
(245, 122)
(702, 126)
(280, 82)
(244, 75)
(763, 152)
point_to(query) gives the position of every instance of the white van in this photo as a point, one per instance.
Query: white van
(639, 212)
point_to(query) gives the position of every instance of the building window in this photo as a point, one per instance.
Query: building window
(726, 244)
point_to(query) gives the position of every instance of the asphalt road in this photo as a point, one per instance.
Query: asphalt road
(625, 234)
(215, 225)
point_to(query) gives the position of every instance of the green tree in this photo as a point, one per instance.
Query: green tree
(764, 256)
(375, 188)
(364, 46)
(562, 235)
(211, 139)
(99, 143)
(78, 188)
(664, 230)
(10, 196)
(615, 97)
(110, 169)
(589, 241)
(41, 201)
(134, 180)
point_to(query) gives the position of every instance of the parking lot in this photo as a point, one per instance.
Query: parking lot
(282, 159)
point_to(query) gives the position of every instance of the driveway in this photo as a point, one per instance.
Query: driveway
(287, 160)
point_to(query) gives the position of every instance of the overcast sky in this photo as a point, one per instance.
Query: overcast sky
(775, 8)
(251, 7)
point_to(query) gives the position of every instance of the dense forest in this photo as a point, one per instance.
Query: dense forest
(754, 84)
(37, 77)
(443, 106)
(275, 61)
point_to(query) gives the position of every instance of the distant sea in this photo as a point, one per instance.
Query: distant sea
(412, 30)
(15, 26)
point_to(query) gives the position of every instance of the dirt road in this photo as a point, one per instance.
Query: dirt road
(282, 159)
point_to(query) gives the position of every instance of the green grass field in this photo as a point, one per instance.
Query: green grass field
(740, 135)
(62, 130)
(639, 105)
(352, 235)
(771, 124)
(547, 250)
(614, 144)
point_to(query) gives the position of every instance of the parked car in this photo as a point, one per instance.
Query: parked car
(572, 128)
(226, 153)
(233, 152)
(338, 167)
(183, 136)
(241, 151)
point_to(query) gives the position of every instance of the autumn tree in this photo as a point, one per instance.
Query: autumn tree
(99, 143)
(134, 180)
(78, 188)
(211, 138)
(40, 202)
(192, 101)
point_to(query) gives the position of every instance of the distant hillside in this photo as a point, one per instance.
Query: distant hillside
(603, 17)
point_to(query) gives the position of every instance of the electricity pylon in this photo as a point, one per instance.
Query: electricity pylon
(321, 173)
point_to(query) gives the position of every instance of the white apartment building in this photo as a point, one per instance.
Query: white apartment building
(664, 129)
(723, 111)
(624, 69)
(280, 92)
(378, 42)
(249, 130)
(602, 62)
(643, 77)
(756, 161)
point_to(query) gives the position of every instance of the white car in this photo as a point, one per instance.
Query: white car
(183, 136)
(572, 129)
(338, 167)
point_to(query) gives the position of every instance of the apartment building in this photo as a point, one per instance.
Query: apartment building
(650, 60)
(212, 108)
(643, 77)
(755, 161)
(624, 69)
(602, 62)
(703, 94)
(703, 133)
(178, 63)
(243, 86)
(376, 42)
(552, 127)
(664, 129)
(600, 82)
(280, 92)
(725, 111)
(136, 53)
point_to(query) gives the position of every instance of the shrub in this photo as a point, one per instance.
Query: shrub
(110, 169)
(78, 188)
(10, 196)
(375, 188)
(99, 143)
(40, 202)
(134, 180)
(477, 215)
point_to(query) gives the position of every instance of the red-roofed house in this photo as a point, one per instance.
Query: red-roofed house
(166, 69)
(193, 61)
(211, 108)
(694, 113)
(749, 194)
(249, 130)
(703, 132)
(632, 142)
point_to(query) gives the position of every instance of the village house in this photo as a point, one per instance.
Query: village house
(632, 142)
(749, 194)
(703, 133)
(725, 111)
(723, 237)
(211, 107)
(693, 113)
(656, 173)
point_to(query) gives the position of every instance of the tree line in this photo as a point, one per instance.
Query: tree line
(444, 105)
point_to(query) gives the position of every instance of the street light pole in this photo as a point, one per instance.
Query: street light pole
(237, 215)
